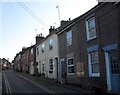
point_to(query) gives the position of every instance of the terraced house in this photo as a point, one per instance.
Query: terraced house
(89, 49)
(24, 60)
(84, 51)
(47, 55)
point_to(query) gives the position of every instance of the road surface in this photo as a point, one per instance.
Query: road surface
(19, 83)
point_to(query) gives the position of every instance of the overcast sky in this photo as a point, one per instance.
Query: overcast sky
(20, 22)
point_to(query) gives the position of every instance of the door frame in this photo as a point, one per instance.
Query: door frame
(106, 50)
(109, 86)
(60, 69)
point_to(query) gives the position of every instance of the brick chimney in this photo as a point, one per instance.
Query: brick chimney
(39, 37)
(64, 22)
(52, 29)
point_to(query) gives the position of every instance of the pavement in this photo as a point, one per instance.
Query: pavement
(54, 83)
(0, 82)
(47, 81)
(69, 86)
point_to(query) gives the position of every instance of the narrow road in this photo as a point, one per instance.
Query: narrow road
(19, 83)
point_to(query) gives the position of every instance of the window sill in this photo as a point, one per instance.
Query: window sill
(50, 49)
(70, 74)
(90, 39)
(69, 45)
(50, 71)
(94, 75)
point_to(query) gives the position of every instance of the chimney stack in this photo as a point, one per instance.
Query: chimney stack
(39, 37)
(52, 29)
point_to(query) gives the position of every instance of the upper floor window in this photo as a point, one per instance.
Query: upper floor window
(50, 44)
(69, 38)
(37, 51)
(19, 56)
(94, 69)
(43, 48)
(70, 66)
(90, 27)
(32, 51)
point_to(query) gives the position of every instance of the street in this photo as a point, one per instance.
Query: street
(14, 82)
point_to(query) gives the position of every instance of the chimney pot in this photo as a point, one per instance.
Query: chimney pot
(69, 19)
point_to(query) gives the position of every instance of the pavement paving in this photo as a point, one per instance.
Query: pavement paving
(69, 86)
(72, 87)
(0, 82)
(55, 86)
(26, 83)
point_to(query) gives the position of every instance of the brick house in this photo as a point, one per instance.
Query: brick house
(17, 62)
(89, 49)
(32, 59)
(25, 60)
(0, 65)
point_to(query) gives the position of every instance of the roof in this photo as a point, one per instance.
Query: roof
(50, 34)
(72, 22)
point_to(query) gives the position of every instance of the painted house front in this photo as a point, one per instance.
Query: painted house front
(47, 56)
(89, 49)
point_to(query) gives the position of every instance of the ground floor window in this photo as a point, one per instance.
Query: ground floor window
(94, 69)
(70, 66)
(51, 64)
(43, 66)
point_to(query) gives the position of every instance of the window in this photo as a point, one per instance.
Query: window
(90, 27)
(43, 48)
(50, 44)
(70, 66)
(51, 64)
(69, 38)
(37, 51)
(19, 56)
(32, 51)
(43, 66)
(114, 65)
(94, 69)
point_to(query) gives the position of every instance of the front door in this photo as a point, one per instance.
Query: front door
(62, 70)
(113, 71)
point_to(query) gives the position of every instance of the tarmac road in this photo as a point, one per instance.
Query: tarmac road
(24, 83)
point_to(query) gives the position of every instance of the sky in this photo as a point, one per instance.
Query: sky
(22, 20)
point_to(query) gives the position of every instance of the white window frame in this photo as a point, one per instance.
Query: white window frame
(37, 51)
(43, 66)
(31, 50)
(50, 44)
(87, 28)
(91, 74)
(42, 48)
(69, 39)
(51, 64)
(70, 66)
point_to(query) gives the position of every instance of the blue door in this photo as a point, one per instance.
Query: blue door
(114, 71)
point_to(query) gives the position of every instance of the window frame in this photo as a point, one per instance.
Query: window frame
(50, 44)
(43, 66)
(92, 74)
(88, 30)
(69, 39)
(37, 49)
(70, 66)
(42, 48)
(31, 51)
(50, 64)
